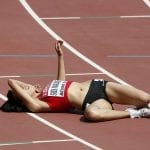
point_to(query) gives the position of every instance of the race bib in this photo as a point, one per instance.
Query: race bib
(57, 88)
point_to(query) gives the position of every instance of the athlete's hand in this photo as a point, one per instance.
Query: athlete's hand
(58, 48)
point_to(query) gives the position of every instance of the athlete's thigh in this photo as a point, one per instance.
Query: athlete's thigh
(123, 94)
(101, 104)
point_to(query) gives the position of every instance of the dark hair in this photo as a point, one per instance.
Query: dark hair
(13, 105)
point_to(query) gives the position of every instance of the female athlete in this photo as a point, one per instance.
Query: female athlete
(94, 97)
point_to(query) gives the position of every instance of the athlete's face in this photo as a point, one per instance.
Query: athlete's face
(32, 90)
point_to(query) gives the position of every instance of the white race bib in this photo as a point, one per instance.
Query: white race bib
(57, 88)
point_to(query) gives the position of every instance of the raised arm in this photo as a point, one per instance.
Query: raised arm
(61, 66)
(24, 93)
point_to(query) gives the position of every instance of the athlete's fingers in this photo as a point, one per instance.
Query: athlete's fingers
(58, 47)
(60, 42)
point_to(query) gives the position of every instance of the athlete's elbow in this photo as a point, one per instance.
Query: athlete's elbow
(35, 108)
(10, 81)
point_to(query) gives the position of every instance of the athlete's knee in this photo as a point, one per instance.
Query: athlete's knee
(145, 98)
(93, 114)
(90, 114)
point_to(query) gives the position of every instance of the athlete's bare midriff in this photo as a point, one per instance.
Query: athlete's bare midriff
(77, 92)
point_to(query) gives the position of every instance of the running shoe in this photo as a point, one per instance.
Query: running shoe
(134, 113)
(144, 112)
(139, 113)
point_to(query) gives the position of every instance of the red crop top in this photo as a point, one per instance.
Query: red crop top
(55, 94)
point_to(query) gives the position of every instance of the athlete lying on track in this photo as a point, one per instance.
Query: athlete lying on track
(93, 97)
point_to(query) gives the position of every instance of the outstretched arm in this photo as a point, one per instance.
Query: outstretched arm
(61, 66)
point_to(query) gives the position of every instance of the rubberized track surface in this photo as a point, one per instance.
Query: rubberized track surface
(103, 39)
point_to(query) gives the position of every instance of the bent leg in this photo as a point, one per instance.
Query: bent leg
(123, 94)
(101, 110)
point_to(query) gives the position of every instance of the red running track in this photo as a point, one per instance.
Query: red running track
(112, 38)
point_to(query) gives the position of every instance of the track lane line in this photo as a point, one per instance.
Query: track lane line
(96, 17)
(49, 75)
(67, 45)
(27, 56)
(3, 97)
(81, 56)
(35, 142)
(147, 2)
(129, 56)
(58, 129)
(51, 125)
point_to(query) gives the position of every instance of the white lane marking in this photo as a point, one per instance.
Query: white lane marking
(83, 74)
(67, 45)
(27, 56)
(147, 2)
(129, 56)
(73, 50)
(49, 75)
(60, 18)
(51, 125)
(16, 76)
(64, 132)
(96, 17)
(143, 16)
(3, 97)
(35, 142)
